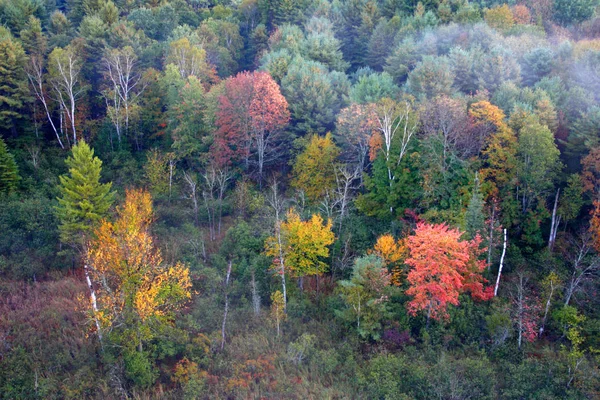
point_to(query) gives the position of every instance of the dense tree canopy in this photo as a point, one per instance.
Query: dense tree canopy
(378, 199)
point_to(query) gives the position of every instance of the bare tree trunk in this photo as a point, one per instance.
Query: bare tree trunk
(255, 295)
(277, 205)
(94, 305)
(171, 170)
(547, 308)
(491, 237)
(501, 265)
(554, 225)
(520, 309)
(226, 305)
(193, 188)
(35, 75)
(223, 177)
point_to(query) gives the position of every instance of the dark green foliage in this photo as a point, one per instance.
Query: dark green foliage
(381, 43)
(537, 64)
(404, 58)
(314, 95)
(13, 82)
(379, 198)
(585, 131)
(29, 242)
(495, 116)
(569, 12)
(47, 353)
(356, 22)
(9, 172)
(497, 67)
(157, 23)
(474, 216)
(463, 64)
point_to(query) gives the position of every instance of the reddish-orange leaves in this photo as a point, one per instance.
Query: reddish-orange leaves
(443, 267)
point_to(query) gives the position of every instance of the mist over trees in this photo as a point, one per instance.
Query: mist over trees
(378, 199)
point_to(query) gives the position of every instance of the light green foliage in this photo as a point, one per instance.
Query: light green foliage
(322, 46)
(372, 87)
(187, 111)
(83, 200)
(538, 162)
(495, 68)
(365, 296)
(288, 37)
(157, 173)
(571, 200)
(276, 63)
(431, 77)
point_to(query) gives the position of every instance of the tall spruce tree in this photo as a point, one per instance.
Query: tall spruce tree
(84, 201)
(13, 81)
(9, 173)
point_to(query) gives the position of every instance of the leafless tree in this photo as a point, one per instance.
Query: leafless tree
(213, 193)
(35, 74)
(64, 77)
(192, 184)
(395, 124)
(125, 86)
(584, 266)
(276, 202)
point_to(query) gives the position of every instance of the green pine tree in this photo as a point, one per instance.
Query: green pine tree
(9, 173)
(474, 217)
(84, 200)
(13, 81)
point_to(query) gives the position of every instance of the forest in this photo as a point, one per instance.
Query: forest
(299, 199)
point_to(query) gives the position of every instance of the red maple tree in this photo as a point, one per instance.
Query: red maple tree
(443, 267)
(251, 116)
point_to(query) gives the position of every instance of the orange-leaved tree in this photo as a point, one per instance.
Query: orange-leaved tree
(442, 267)
(136, 292)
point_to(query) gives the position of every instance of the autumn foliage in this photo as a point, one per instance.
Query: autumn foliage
(132, 281)
(251, 114)
(442, 267)
(304, 244)
(595, 225)
(392, 252)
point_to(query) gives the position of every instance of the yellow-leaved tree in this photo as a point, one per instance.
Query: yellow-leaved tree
(135, 293)
(313, 171)
(393, 253)
(302, 244)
